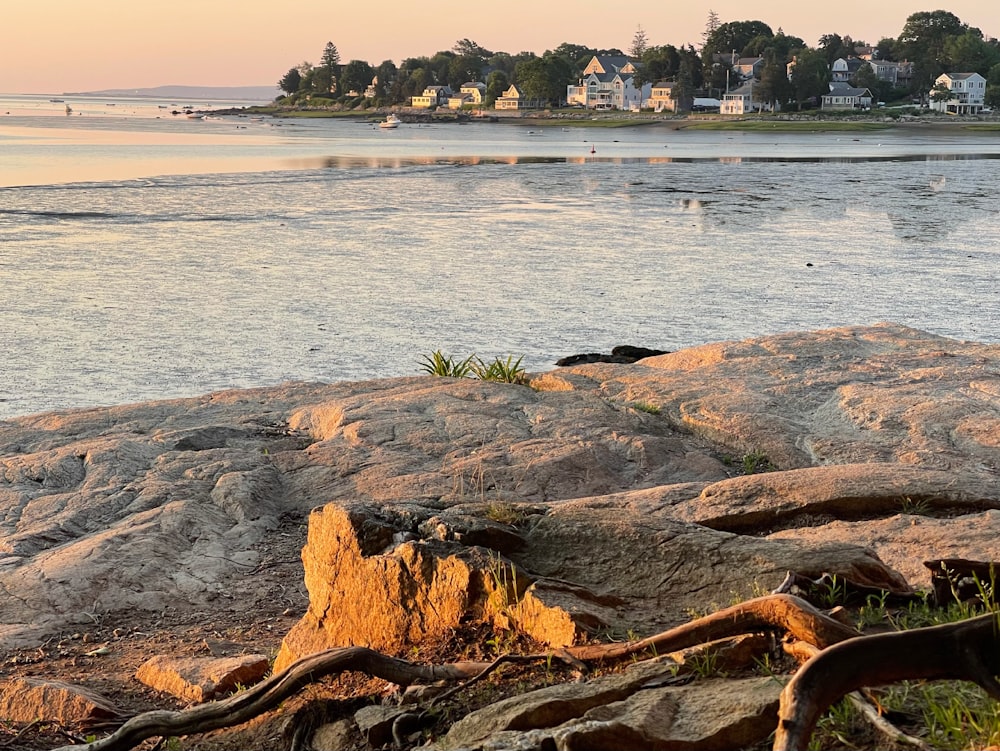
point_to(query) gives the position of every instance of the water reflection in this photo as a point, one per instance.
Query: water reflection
(400, 162)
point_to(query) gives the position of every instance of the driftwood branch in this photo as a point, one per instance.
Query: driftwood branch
(773, 612)
(968, 650)
(803, 652)
(267, 695)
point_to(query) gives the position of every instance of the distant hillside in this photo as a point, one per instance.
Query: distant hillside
(239, 93)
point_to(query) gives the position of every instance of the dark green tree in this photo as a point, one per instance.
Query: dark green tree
(468, 48)
(321, 82)
(712, 23)
(440, 66)
(922, 41)
(387, 74)
(577, 55)
(774, 88)
(865, 78)
(684, 91)
(660, 64)
(356, 76)
(290, 82)
(968, 53)
(835, 47)
(497, 83)
(640, 43)
(544, 78)
(886, 48)
(463, 69)
(810, 76)
(940, 92)
(330, 61)
(993, 87)
(734, 36)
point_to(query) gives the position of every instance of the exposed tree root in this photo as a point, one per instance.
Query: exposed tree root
(967, 650)
(267, 695)
(803, 651)
(773, 612)
(783, 612)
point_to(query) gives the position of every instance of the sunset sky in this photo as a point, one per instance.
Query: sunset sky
(57, 46)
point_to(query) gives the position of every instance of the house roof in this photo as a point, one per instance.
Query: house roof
(744, 90)
(847, 91)
(959, 76)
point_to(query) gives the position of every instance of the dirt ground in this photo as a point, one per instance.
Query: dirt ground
(104, 656)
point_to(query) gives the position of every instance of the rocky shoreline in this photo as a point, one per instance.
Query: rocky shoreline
(614, 497)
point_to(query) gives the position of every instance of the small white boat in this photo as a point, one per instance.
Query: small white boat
(390, 122)
(195, 116)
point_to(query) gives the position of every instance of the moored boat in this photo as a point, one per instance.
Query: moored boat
(390, 122)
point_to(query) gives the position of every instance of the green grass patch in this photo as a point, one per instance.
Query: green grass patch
(983, 127)
(445, 366)
(787, 126)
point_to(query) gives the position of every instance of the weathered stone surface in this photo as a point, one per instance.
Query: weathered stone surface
(334, 736)
(386, 577)
(905, 540)
(636, 709)
(30, 699)
(201, 679)
(147, 507)
(846, 491)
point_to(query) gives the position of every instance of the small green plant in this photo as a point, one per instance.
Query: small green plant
(874, 612)
(915, 508)
(832, 592)
(505, 512)
(651, 409)
(840, 722)
(500, 371)
(438, 364)
(704, 664)
(755, 462)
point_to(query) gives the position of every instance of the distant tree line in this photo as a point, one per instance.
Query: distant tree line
(934, 42)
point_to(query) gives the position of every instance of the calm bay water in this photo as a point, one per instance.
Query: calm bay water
(145, 258)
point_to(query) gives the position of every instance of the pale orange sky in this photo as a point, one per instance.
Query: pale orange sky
(57, 46)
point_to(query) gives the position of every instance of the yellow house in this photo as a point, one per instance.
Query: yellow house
(661, 97)
(509, 100)
(476, 91)
(433, 96)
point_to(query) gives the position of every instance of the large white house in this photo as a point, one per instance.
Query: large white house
(608, 83)
(968, 91)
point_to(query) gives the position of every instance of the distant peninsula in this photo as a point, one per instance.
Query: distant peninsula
(250, 93)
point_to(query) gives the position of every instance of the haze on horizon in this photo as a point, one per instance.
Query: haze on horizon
(58, 46)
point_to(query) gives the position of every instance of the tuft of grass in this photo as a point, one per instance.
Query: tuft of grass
(756, 461)
(650, 409)
(505, 512)
(915, 508)
(500, 371)
(438, 364)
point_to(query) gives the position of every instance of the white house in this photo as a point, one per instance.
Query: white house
(968, 91)
(608, 83)
(739, 101)
(844, 69)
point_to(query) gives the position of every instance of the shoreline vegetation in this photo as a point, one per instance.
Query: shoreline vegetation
(789, 122)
